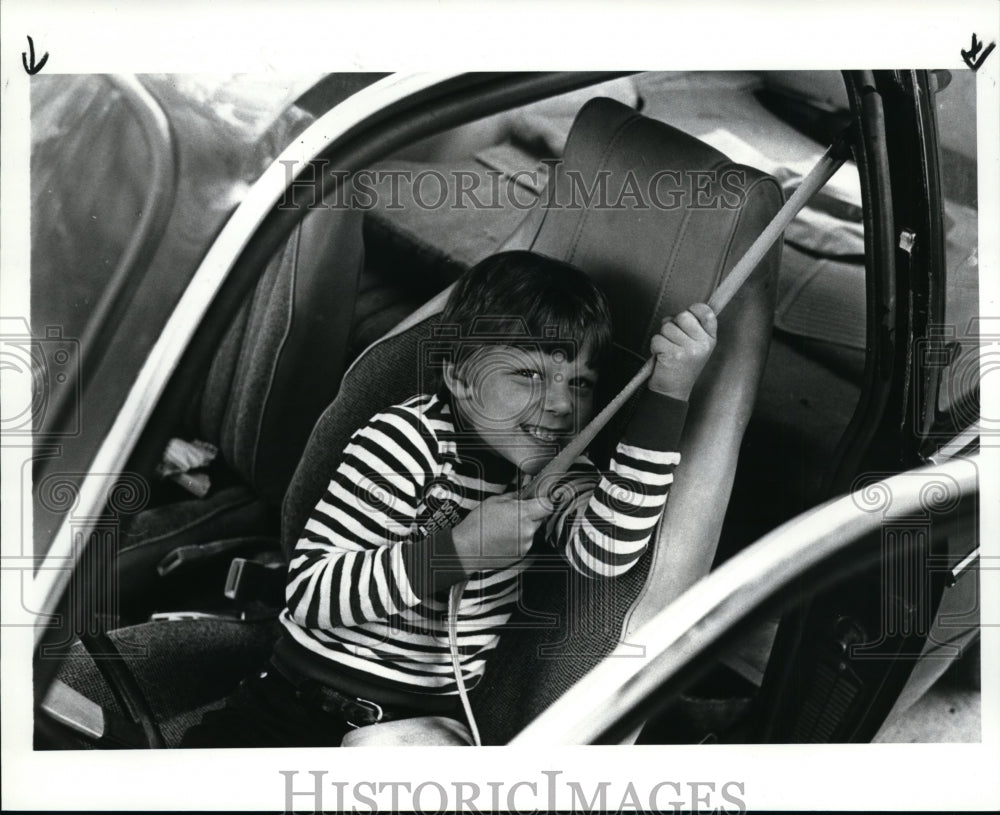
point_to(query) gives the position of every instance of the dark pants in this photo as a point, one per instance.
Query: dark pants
(266, 711)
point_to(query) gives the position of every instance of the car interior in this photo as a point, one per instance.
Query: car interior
(334, 332)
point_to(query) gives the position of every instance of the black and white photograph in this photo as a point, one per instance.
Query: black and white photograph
(611, 392)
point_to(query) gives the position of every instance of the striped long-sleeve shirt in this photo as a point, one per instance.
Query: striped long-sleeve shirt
(367, 581)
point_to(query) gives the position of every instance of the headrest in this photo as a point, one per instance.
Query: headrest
(657, 218)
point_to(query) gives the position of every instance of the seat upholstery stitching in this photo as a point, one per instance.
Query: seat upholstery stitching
(235, 403)
(295, 244)
(667, 272)
(625, 125)
(668, 267)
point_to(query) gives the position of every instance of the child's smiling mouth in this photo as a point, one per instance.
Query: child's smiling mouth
(548, 435)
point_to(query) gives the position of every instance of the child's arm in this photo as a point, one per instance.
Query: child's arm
(355, 561)
(360, 558)
(607, 523)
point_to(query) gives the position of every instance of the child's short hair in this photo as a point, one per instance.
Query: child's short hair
(524, 299)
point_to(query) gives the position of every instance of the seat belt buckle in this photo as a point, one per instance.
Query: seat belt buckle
(372, 713)
(176, 558)
(253, 580)
(193, 552)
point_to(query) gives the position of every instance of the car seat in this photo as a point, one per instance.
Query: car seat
(652, 261)
(278, 366)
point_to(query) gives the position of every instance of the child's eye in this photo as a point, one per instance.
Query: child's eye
(583, 384)
(529, 373)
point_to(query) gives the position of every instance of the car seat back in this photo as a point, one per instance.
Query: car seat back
(653, 257)
(276, 369)
(703, 213)
(281, 361)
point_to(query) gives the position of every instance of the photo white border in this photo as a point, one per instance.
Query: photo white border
(294, 36)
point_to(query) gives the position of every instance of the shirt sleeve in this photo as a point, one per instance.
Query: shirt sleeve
(362, 556)
(604, 521)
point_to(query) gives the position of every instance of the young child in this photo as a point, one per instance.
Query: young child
(426, 496)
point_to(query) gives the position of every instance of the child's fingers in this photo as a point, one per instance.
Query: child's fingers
(689, 324)
(706, 317)
(694, 324)
(670, 335)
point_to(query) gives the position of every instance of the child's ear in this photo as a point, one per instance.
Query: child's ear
(453, 381)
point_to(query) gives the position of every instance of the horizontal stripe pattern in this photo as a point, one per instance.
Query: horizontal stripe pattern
(350, 595)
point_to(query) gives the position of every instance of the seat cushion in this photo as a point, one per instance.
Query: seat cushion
(233, 514)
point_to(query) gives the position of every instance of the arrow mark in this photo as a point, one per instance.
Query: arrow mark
(29, 63)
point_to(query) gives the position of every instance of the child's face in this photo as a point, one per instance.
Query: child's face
(525, 404)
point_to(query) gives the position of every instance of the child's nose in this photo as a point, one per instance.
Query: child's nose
(557, 396)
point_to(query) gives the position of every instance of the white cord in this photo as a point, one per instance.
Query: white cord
(454, 597)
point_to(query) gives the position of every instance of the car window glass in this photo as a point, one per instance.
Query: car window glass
(86, 194)
(91, 177)
(956, 118)
(90, 167)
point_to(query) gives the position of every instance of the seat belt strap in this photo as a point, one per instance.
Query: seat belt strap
(828, 164)
(454, 598)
